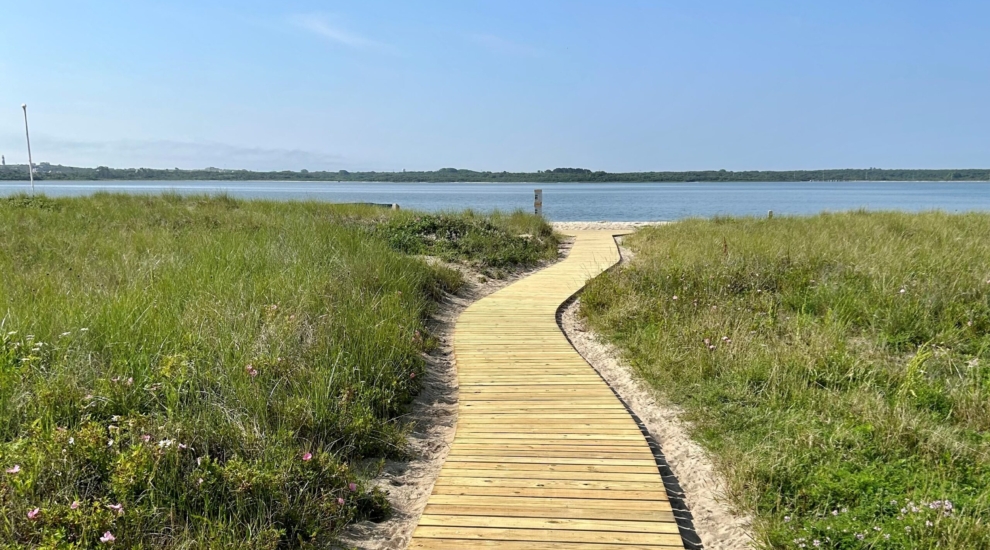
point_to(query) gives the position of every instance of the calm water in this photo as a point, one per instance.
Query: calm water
(583, 201)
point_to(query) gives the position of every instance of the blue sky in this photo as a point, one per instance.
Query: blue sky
(500, 85)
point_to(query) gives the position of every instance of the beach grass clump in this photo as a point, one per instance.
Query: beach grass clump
(837, 367)
(493, 243)
(208, 372)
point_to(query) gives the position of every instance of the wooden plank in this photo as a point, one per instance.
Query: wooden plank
(461, 544)
(541, 458)
(602, 485)
(586, 494)
(659, 527)
(570, 511)
(577, 447)
(542, 535)
(452, 467)
(644, 477)
(535, 505)
(604, 431)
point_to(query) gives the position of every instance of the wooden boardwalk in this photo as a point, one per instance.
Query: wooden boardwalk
(545, 456)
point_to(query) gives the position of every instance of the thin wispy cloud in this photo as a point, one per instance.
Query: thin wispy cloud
(504, 46)
(324, 27)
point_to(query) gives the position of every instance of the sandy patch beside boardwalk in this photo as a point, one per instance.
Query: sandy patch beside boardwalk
(716, 523)
(581, 226)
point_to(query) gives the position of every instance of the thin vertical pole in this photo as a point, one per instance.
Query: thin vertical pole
(28, 136)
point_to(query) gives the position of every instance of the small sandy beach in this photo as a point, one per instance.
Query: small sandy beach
(582, 226)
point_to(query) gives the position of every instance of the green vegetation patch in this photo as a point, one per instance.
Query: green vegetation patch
(493, 243)
(205, 372)
(836, 366)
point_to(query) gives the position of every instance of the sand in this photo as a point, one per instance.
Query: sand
(579, 226)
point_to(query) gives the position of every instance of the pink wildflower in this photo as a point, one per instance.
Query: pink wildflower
(412, 375)
(119, 508)
(74, 505)
(307, 457)
(352, 487)
(340, 501)
(146, 438)
(15, 469)
(34, 513)
(107, 537)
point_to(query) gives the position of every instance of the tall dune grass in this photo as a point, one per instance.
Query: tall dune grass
(837, 367)
(205, 372)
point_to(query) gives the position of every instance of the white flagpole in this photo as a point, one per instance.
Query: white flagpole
(28, 136)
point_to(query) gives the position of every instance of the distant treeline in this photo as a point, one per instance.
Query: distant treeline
(45, 171)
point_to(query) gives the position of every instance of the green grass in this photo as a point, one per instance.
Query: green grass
(217, 368)
(837, 367)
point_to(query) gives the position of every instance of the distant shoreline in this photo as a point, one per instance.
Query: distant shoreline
(40, 181)
(49, 172)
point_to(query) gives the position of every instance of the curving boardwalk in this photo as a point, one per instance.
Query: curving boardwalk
(545, 456)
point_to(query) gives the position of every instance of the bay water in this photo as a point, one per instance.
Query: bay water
(577, 201)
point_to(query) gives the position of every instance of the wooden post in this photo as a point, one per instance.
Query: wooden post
(538, 202)
(769, 214)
